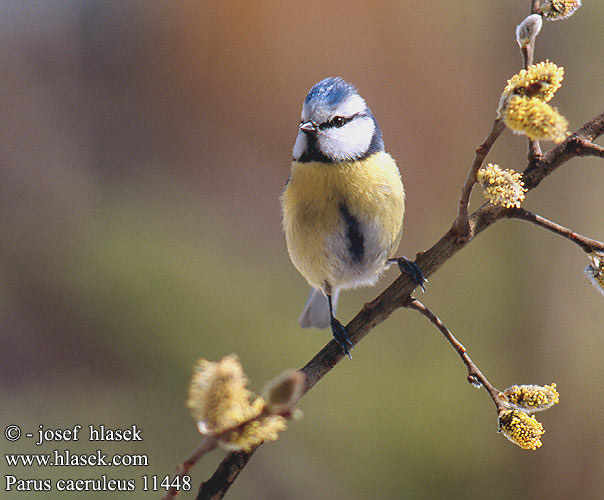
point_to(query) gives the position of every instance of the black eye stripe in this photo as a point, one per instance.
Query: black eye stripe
(338, 121)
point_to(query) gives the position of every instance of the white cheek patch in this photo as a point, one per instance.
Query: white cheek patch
(300, 145)
(347, 142)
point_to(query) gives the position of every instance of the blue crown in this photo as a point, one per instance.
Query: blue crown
(331, 91)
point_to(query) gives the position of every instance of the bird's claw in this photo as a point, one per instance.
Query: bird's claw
(412, 269)
(341, 336)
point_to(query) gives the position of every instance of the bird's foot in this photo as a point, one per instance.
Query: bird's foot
(341, 336)
(412, 269)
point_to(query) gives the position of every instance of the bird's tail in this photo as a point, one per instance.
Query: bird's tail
(316, 310)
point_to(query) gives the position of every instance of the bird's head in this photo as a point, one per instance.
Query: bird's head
(336, 125)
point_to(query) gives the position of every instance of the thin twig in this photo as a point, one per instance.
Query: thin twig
(461, 224)
(588, 148)
(587, 244)
(207, 444)
(534, 151)
(528, 53)
(475, 376)
(528, 57)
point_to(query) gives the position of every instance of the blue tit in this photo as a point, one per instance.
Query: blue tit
(343, 203)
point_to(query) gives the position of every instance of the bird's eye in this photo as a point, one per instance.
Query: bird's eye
(337, 121)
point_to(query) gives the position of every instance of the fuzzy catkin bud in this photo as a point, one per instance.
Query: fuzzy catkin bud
(283, 392)
(218, 397)
(528, 29)
(223, 407)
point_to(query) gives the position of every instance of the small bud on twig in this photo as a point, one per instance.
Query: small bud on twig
(283, 392)
(528, 29)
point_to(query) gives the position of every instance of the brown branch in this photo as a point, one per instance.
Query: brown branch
(587, 244)
(398, 293)
(461, 224)
(228, 470)
(475, 376)
(578, 144)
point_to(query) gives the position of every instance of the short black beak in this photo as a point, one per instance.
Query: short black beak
(308, 127)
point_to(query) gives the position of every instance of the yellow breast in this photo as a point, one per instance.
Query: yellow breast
(317, 234)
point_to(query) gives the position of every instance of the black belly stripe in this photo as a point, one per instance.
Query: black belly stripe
(353, 233)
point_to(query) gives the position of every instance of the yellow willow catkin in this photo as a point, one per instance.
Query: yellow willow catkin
(540, 80)
(535, 118)
(532, 398)
(521, 429)
(501, 187)
(254, 433)
(218, 397)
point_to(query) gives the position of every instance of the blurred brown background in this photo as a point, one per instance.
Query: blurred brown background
(143, 148)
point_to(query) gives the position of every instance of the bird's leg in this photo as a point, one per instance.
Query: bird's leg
(339, 331)
(412, 269)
